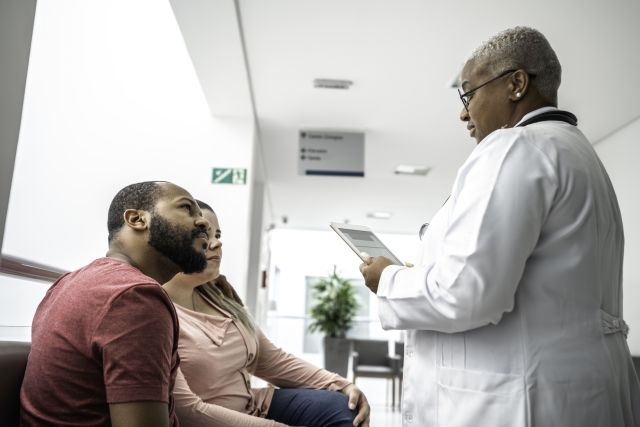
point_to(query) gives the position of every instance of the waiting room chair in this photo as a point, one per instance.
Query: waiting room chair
(370, 358)
(13, 362)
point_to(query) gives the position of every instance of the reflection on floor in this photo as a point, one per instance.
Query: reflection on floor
(378, 392)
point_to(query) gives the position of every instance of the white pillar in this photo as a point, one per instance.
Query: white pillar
(212, 32)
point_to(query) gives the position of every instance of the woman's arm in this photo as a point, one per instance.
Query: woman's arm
(283, 369)
(194, 412)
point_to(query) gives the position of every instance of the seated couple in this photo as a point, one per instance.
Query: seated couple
(104, 347)
(221, 348)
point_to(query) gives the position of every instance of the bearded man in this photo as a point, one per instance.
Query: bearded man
(104, 338)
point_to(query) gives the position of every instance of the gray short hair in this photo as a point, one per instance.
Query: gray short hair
(526, 48)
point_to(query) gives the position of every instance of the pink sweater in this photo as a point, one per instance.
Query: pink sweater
(217, 358)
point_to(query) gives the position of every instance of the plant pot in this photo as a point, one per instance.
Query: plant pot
(336, 354)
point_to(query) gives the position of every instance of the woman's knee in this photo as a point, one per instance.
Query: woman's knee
(336, 407)
(312, 408)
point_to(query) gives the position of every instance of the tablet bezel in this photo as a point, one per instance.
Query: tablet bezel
(336, 226)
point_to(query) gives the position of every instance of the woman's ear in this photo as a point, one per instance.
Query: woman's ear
(519, 85)
(136, 219)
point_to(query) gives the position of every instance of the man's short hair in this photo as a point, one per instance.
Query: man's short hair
(526, 48)
(142, 195)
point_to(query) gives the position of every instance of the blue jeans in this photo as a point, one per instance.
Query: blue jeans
(311, 408)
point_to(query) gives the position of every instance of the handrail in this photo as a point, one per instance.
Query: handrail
(21, 267)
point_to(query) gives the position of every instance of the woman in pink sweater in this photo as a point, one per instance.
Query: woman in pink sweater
(221, 348)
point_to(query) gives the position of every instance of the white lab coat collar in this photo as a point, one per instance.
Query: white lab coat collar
(535, 113)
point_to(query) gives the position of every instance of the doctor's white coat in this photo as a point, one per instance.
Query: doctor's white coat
(514, 314)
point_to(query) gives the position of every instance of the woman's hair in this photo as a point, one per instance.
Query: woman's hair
(203, 206)
(214, 294)
(526, 48)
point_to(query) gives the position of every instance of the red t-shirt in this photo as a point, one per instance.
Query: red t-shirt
(103, 334)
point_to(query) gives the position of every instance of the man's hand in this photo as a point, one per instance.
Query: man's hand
(357, 400)
(371, 270)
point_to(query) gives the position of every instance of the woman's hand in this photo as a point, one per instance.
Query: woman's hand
(357, 400)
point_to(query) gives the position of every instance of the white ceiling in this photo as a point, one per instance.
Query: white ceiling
(402, 55)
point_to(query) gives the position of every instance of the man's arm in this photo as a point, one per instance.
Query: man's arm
(139, 414)
(135, 341)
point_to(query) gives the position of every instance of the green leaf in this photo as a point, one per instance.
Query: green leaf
(334, 306)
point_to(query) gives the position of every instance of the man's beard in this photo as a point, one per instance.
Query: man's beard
(177, 244)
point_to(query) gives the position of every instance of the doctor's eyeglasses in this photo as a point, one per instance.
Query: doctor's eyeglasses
(466, 97)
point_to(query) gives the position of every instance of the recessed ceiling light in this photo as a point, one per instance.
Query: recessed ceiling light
(379, 215)
(411, 170)
(332, 84)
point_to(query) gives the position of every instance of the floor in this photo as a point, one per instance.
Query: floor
(379, 395)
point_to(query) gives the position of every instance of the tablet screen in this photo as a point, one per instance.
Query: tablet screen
(364, 241)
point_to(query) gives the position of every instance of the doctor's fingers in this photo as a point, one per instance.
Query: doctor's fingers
(362, 268)
(368, 259)
(366, 270)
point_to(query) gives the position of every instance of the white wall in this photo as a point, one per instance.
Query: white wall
(296, 254)
(620, 154)
(111, 99)
(19, 299)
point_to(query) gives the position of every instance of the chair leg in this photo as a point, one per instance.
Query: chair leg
(393, 392)
(386, 391)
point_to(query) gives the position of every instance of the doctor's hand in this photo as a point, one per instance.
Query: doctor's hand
(371, 270)
(358, 401)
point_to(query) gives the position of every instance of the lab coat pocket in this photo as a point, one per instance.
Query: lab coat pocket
(479, 399)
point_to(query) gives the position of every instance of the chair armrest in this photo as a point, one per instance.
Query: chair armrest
(395, 362)
(355, 359)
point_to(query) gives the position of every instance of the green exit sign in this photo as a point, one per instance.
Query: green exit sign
(236, 176)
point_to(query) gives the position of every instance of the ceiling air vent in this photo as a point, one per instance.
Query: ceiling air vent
(332, 84)
(379, 215)
(411, 170)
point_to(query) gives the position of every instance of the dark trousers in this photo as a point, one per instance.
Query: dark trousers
(311, 408)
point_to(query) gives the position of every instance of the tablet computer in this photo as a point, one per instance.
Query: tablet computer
(361, 239)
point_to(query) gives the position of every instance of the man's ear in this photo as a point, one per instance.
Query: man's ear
(136, 219)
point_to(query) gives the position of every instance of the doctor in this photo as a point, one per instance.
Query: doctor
(514, 314)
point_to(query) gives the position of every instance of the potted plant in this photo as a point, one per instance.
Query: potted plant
(332, 314)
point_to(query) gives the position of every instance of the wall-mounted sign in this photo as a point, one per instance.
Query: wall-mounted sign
(332, 153)
(236, 176)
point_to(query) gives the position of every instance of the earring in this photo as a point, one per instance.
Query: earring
(518, 95)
